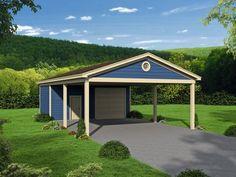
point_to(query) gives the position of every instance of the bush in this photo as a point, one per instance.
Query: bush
(23, 170)
(192, 173)
(42, 117)
(231, 131)
(4, 154)
(53, 125)
(80, 128)
(135, 114)
(89, 170)
(114, 150)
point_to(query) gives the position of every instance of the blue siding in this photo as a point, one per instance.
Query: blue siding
(57, 102)
(134, 70)
(44, 99)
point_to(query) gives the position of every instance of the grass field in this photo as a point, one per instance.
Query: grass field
(198, 51)
(59, 151)
(214, 119)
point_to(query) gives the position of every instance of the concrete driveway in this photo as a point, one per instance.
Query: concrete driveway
(171, 149)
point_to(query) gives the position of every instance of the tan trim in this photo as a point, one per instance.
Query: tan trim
(155, 104)
(120, 63)
(50, 99)
(145, 81)
(69, 81)
(65, 105)
(192, 106)
(86, 106)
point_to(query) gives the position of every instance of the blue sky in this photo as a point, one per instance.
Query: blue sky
(149, 24)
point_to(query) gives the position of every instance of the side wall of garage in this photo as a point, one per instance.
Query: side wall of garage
(76, 90)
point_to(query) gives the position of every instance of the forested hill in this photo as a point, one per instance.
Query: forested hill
(21, 52)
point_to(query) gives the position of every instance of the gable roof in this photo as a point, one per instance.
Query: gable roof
(98, 68)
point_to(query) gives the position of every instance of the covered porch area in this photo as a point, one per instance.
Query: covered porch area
(89, 115)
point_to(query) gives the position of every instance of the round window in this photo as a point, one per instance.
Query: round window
(146, 66)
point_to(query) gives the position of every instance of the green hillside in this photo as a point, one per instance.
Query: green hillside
(21, 52)
(197, 52)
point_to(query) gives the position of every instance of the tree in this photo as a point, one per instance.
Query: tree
(9, 8)
(225, 13)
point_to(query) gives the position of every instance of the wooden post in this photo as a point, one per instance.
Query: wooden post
(50, 99)
(86, 105)
(192, 106)
(155, 104)
(64, 105)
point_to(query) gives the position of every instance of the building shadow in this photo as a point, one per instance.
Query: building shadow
(214, 154)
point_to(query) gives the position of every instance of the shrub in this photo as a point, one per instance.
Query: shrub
(231, 131)
(89, 170)
(4, 154)
(135, 114)
(23, 170)
(192, 173)
(114, 150)
(2, 121)
(80, 128)
(84, 137)
(42, 117)
(160, 118)
(53, 125)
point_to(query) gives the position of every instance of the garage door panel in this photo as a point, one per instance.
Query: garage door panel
(110, 103)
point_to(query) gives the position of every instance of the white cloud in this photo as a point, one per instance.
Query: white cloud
(66, 30)
(123, 10)
(21, 28)
(149, 8)
(70, 17)
(182, 31)
(86, 18)
(144, 48)
(157, 41)
(52, 33)
(183, 9)
(109, 38)
(203, 37)
(85, 31)
(83, 41)
(29, 30)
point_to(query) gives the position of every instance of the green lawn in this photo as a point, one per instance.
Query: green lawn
(59, 151)
(213, 118)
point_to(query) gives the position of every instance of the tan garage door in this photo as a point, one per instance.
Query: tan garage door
(110, 103)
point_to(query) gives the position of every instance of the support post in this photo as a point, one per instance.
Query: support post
(64, 105)
(50, 99)
(86, 106)
(155, 104)
(192, 106)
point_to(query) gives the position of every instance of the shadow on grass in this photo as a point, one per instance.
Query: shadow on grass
(50, 149)
(225, 116)
(169, 119)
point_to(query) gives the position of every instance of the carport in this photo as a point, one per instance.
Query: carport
(102, 91)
